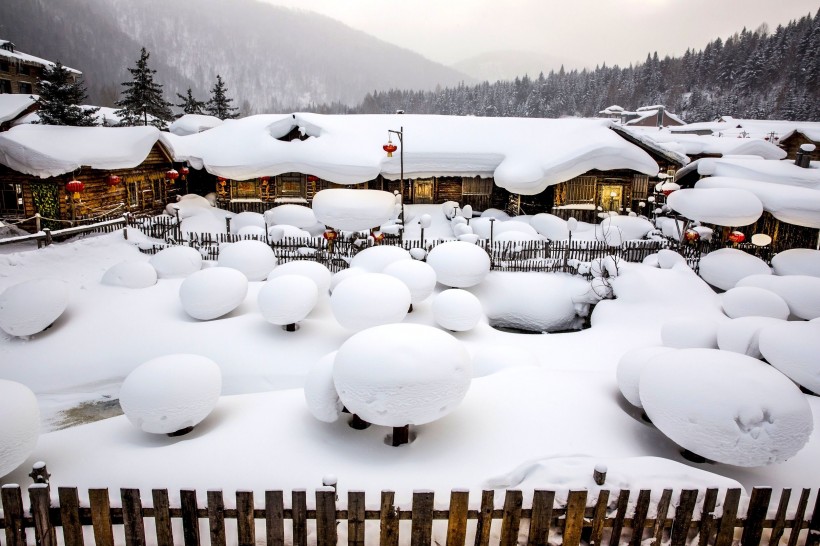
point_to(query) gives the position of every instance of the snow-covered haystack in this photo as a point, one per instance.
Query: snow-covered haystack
(19, 424)
(419, 277)
(29, 307)
(793, 348)
(689, 333)
(800, 292)
(725, 267)
(247, 219)
(457, 310)
(370, 299)
(287, 299)
(130, 274)
(340, 276)
(741, 335)
(667, 259)
(376, 258)
(211, 293)
(171, 393)
(721, 206)
(353, 210)
(750, 301)
(291, 215)
(402, 374)
(550, 226)
(630, 366)
(797, 261)
(253, 258)
(726, 407)
(176, 261)
(318, 273)
(459, 264)
(320, 391)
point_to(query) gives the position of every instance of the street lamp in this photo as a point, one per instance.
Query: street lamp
(390, 148)
(612, 195)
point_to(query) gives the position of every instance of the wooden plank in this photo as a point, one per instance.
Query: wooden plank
(13, 513)
(639, 517)
(485, 519)
(299, 516)
(101, 517)
(799, 515)
(70, 516)
(421, 529)
(660, 517)
(216, 518)
(683, 516)
(541, 519)
(388, 520)
(355, 518)
(40, 499)
(245, 524)
(457, 518)
(162, 517)
(707, 517)
(511, 519)
(132, 517)
(596, 534)
(190, 517)
(726, 528)
(574, 524)
(620, 514)
(275, 518)
(325, 517)
(780, 518)
(813, 538)
(758, 508)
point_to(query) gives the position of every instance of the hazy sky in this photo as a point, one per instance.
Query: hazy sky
(589, 31)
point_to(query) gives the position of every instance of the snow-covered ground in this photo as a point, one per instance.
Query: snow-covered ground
(541, 411)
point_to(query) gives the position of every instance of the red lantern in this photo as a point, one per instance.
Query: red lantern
(389, 148)
(691, 235)
(312, 178)
(378, 237)
(75, 187)
(221, 180)
(737, 237)
(184, 171)
(172, 175)
(265, 180)
(330, 235)
(113, 180)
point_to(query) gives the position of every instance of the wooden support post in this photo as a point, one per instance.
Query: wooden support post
(39, 472)
(40, 499)
(599, 474)
(228, 224)
(48, 236)
(325, 516)
(13, 514)
(401, 436)
(358, 423)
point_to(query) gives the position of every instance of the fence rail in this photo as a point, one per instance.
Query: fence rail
(697, 517)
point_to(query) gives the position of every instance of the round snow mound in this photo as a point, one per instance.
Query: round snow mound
(726, 407)
(353, 210)
(793, 348)
(550, 226)
(247, 219)
(171, 393)
(800, 292)
(419, 278)
(291, 215)
(667, 259)
(252, 231)
(741, 335)
(340, 276)
(320, 391)
(797, 261)
(213, 292)
(19, 424)
(30, 307)
(401, 374)
(287, 299)
(130, 274)
(253, 258)
(376, 258)
(370, 299)
(724, 268)
(459, 264)
(457, 310)
(630, 366)
(315, 271)
(749, 301)
(721, 206)
(176, 261)
(689, 333)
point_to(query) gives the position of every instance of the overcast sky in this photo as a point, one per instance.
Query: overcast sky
(585, 31)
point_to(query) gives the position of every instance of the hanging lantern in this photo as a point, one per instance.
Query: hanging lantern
(75, 187)
(221, 181)
(265, 180)
(389, 148)
(378, 237)
(184, 171)
(172, 175)
(737, 237)
(691, 235)
(330, 235)
(312, 178)
(113, 180)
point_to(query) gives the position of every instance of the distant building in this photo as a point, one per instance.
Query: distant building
(645, 116)
(21, 72)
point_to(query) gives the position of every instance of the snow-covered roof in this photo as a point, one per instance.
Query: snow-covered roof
(614, 109)
(654, 107)
(105, 115)
(190, 124)
(648, 112)
(811, 132)
(690, 144)
(643, 137)
(14, 104)
(524, 155)
(48, 150)
(26, 58)
(783, 172)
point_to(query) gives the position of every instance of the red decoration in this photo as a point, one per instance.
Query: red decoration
(378, 237)
(184, 171)
(312, 178)
(390, 148)
(691, 235)
(75, 187)
(737, 237)
(330, 235)
(667, 193)
(172, 175)
(221, 180)
(113, 180)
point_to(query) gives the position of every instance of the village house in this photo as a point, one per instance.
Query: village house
(21, 72)
(645, 116)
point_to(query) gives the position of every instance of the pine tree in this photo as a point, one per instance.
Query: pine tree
(190, 105)
(60, 97)
(142, 98)
(220, 104)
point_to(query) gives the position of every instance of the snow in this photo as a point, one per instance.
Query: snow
(721, 206)
(459, 264)
(457, 310)
(400, 374)
(419, 278)
(130, 274)
(287, 299)
(741, 335)
(353, 210)
(13, 104)
(320, 391)
(792, 348)
(176, 262)
(550, 226)
(171, 392)
(800, 292)
(749, 301)
(689, 333)
(254, 259)
(726, 407)
(630, 366)
(797, 261)
(247, 219)
(292, 215)
(29, 307)
(777, 172)
(191, 124)
(315, 271)
(631, 228)
(725, 267)
(368, 300)
(376, 258)
(667, 259)
(213, 292)
(691, 145)
(19, 424)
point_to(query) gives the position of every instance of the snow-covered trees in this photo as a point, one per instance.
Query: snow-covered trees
(190, 105)
(142, 101)
(220, 105)
(60, 98)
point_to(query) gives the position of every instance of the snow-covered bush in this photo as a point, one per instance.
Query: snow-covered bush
(29, 307)
(171, 393)
(419, 277)
(689, 333)
(254, 259)
(449, 209)
(287, 299)
(667, 259)
(176, 261)
(741, 335)
(376, 258)
(725, 267)
(495, 213)
(400, 374)
(370, 299)
(189, 205)
(750, 301)
(793, 348)
(800, 292)
(320, 391)
(211, 293)
(797, 261)
(457, 310)
(130, 274)
(630, 366)
(292, 215)
(19, 424)
(459, 264)
(318, 273)
(353, 210)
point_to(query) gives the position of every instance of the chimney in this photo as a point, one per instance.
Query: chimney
(660, 116)
(804, 155)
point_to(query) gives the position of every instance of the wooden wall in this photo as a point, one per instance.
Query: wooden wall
(793, 143)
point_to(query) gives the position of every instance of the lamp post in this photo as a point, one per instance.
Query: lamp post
(390, 148)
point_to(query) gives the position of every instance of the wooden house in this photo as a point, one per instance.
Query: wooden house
(793, 140)
(21, 72)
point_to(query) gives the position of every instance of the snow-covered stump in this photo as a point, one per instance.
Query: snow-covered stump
(287, 299)
(29, 307)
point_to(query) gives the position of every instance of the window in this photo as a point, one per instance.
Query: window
(5, 86)
(581, 190)
(11, 197)
(4, 66)
(25, 87)
(289, 185)
(23, 70)
(640, 186)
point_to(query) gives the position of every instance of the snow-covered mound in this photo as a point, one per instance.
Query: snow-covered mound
(202, 223)
(191, 124)
(750, 301)
(689, 333)
(793, 348)
(189, 205)
(725, 267)
(630, 227)
(320, 391)
(252, 231)
(726, 407)
(247, 219)
(630, 366)
(419, 277)
(353, 210)
(130, 274)
(497, 358)
(277, 233)
(667, 259)
(340, 276)
(514, 225)
(253, 258)
(550, 226)
(318, 273)
(213, 292)
(514, 236)
(370, 299)
(457, 310)
(741, 335)
(400, 374)
(797, 261)
(29, 307)
(19, 424)
(376, 258)
(291, 215)
(721, 206)
(287, 299)
(171, 393)
(801, 292)
(459, 264)
(176, 261)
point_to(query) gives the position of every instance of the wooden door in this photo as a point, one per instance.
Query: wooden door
(423, 191)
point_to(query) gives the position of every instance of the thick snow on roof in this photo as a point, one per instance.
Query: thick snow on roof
(712, 145)
(525, 155)
(778, 172)
(14, 104)
(190, 124)
(645, 137)
(812, 132)
(26, 58)
(649, 112)
(48, 150)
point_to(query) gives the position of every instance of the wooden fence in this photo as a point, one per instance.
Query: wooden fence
(610, 519)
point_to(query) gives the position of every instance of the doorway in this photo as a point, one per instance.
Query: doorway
(610, 197)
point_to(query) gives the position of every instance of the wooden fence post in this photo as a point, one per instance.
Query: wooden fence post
(12, 499)
(574, 523)
(40, 499)
(47, 231)
(813, 538)
(618, 524)
(799, 515)
(541, 519)
(421, 530)
(596, 534)
(216, 518)
(325, 516)
(683, 517)
(511, 519)
(639, 517)
(101, 517)
(457, 521)
(275, 518)
(299, 517)
(660, 518)
(245, 524)
(485, 519)
(190, 517)
(70, 516)
(756, 513)
(726, 530)
(389, 520)
(132, 517)
(707, 517)
(162, 517)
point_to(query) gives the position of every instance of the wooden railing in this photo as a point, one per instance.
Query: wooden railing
(695, 517)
